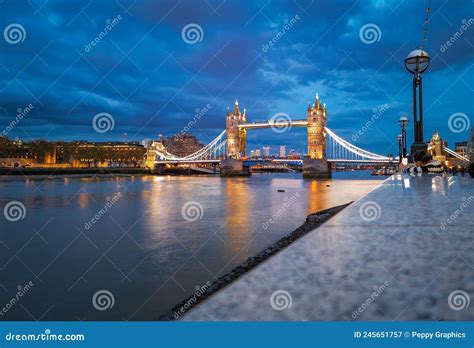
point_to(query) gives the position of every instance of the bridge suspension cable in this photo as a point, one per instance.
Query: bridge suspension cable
(348, 151)
(455, 154)
(338, 150)
(215, 149)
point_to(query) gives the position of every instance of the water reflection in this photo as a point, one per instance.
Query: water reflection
(317, 197)
(238, 205)
(83, 200)
(145, 236)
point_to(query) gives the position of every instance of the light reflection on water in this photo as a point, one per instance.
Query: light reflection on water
(142, 249)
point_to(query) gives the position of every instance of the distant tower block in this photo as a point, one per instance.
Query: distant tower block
(236, 139)
(316, 133)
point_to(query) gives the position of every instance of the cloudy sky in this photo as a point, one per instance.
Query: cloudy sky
(160, 61)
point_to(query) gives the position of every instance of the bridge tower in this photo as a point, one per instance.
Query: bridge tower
(316, 133)
(436, 147)
(233, 165)
(316, 165)
(234, 144)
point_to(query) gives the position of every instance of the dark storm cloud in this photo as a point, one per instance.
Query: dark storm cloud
(152, 81)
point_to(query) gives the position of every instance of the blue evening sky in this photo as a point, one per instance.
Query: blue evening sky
(145, 74)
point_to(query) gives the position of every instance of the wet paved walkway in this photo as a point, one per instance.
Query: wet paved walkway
(403, 252)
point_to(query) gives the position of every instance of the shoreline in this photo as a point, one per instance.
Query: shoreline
(60, 170)
(14, 174)
(312, 222)
(74, 173)
(11, 178)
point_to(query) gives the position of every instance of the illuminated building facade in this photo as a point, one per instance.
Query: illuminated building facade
(266, 151)
(235, 136)
(316, 133)
(435, 147)
(282, 151)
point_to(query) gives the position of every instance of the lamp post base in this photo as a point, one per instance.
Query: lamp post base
(415, 147)
(418, 147)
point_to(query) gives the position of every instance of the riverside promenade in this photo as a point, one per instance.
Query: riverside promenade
(405, 251)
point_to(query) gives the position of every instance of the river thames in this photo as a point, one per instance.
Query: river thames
(159, 238)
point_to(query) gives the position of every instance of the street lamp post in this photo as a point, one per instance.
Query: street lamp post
(403, 122)
(400, 147)
(416, 63)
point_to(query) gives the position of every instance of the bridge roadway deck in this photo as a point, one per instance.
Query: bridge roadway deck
(182, 161)
(412, 237)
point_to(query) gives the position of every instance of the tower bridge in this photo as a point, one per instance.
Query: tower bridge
(315, 122)
(229, 148)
